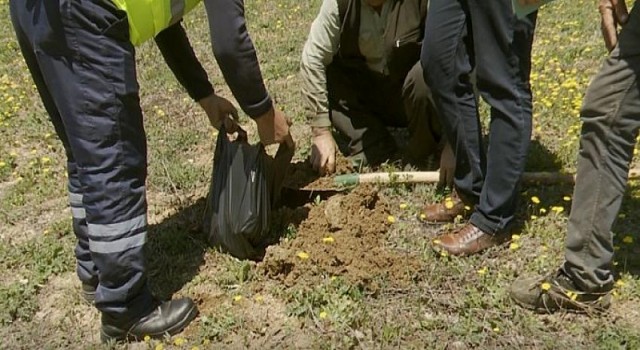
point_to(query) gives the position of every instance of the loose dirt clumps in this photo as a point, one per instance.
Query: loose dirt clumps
(302, 176)
(343, 236)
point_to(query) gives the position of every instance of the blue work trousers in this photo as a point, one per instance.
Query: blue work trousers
(82, 63)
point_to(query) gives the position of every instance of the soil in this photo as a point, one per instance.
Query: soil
(343, 236)
(302, 176)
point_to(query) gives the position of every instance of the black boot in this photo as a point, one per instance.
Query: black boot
(169, 318)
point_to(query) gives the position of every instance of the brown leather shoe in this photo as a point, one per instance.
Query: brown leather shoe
(467, 241)
(445, 211)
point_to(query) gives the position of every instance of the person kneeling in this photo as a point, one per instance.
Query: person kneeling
(361, 75)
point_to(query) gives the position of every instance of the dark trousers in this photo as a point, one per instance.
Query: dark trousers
(83, 66)
(611, 119)
(363, 104)
(461, 35)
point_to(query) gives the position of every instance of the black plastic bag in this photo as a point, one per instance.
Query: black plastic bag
(245, 186)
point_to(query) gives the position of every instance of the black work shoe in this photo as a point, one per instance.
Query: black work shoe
(169, 318)
(89, 293)
(557, 292)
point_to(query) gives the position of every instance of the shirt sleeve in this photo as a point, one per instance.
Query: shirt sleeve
(177, 52)
(322, 44)
(236, 55)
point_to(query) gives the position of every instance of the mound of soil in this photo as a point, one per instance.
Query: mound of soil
(302, 176)
(343, 236)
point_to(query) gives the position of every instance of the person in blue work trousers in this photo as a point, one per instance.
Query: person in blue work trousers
(81, 57)
(485, 36)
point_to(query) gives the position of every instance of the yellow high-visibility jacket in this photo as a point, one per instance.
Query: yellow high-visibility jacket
(147, 18)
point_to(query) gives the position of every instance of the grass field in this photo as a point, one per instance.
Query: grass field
(445, 303)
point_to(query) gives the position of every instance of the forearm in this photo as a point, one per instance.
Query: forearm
(236, 55)
(179, 56)
(319, 49)
(314, 90)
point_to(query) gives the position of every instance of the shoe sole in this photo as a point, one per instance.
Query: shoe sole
(89, 298)
(443, 252)
(576, 310)
(177, 328)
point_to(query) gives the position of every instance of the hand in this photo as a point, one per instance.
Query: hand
(447, 167)
(323, 151)
(612, 13)
(273, 127)
(220, 111)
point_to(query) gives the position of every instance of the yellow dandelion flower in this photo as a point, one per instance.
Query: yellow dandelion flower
(558, 209)
(437, 241)
(328, 239)
(620, 283)
(423, 216)
(535, 200)
(179, 341)
(147, 338)
(543, 210)
(403, 205)
(496, 329)
(545, 286)
(566, 198)
(483, 271)
(514, 246)
(533, 217)
(444, 253)
(237, 298)
(448, 203)
(391, 219)
(467, 208)
(515, 237)
(627, 240)
(159, 347)
(303, 255)
(323, 315)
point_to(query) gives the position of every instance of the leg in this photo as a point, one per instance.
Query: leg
(446, 59)
(424, 125)
(98, 106)
(82, 49)
(609, 130)
(352, 116)
(610, 126)
(502, 65)
(86, 269)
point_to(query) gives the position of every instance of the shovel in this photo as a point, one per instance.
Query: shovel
(547, 178)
